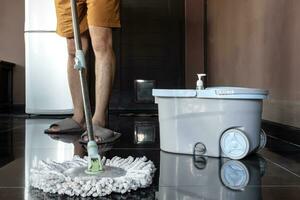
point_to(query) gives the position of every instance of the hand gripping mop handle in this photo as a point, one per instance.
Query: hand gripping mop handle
(94, 158)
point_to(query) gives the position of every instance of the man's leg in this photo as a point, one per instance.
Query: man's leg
(104, 70)
(74, 82)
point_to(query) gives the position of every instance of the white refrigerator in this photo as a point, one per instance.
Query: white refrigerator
(47, 90)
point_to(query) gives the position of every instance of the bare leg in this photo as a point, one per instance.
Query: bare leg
(74, 83)
(104, 70)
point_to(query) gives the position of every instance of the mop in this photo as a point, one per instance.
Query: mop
(120, 175)
(90, 176)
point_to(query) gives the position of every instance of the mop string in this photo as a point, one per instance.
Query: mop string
(135, 163)
(124, 162)
(103, 160)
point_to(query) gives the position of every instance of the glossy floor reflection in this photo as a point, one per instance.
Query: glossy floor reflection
(272, 174)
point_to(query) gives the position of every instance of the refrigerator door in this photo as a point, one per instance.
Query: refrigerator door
(47, 90)
(40, 15)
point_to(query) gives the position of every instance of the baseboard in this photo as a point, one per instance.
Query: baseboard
(281, 131)
(18, 108)
(12, 109)
(5, 107)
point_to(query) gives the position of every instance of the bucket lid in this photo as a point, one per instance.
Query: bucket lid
(214, 92)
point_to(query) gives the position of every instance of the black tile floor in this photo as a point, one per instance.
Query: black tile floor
(274, 173)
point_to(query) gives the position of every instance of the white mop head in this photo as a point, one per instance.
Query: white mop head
(49, 176)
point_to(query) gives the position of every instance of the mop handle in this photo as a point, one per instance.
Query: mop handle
(75, 23)
(80, 66)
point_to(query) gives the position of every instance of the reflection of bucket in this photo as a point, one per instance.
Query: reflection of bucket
(229, 117)
(189, 177)
(234, 175)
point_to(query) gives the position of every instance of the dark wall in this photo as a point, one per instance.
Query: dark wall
(150, 46)
(194, 42)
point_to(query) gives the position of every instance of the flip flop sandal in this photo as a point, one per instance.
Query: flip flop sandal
(65, 138)
(105, 135)
(66, 126)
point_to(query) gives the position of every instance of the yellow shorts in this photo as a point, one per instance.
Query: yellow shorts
(103, 13)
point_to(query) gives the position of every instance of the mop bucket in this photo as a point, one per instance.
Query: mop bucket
(216, 121)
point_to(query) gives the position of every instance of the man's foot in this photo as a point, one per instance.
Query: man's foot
(101, 135)
(66, 126)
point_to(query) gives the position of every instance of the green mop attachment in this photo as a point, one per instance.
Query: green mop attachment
(94, 160)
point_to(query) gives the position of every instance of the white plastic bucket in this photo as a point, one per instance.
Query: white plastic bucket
(218, 121)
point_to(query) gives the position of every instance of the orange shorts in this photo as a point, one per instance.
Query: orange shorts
(103, 13)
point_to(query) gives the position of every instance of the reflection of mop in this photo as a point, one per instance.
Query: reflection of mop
(142, 194)
(88, 177)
